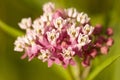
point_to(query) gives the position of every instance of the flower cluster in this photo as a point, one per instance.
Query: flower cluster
(60, 34)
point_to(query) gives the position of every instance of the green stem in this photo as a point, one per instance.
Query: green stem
(9, 30)
(75, 72)
(85, 73)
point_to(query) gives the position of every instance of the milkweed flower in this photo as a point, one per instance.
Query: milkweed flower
(59, 35)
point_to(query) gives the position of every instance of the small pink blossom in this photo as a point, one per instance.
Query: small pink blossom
(19, 44)
(25, 23)
(83, 18)
(83, 40)
(52, 36)
(59, 23)
(48, 7)
(87, 29)
(72, 12)
(68, 53)
(44, 55)
(73, 31)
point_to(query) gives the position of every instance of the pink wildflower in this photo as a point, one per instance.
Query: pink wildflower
(60, 34)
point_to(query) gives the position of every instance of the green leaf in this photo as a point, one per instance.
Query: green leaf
(102, 66)
(8, 29)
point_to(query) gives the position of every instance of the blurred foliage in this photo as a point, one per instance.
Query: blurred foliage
(105, 12)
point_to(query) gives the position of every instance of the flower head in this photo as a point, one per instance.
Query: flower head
(60, 34)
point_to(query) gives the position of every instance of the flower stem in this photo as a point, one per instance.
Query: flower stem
(85, 73)
(75, 71)
(9, 30)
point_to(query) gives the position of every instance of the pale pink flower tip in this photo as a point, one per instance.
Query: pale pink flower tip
(104, 50)
(25, 23)
(109, 31)
(109, 42)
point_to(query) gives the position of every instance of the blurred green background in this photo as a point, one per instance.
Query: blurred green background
(105, 12)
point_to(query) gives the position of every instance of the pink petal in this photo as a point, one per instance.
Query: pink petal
(58, 13)
(93, 53)
(57, 61)
(86, 61)
(65, 63)
(35, 48)
(50, 62)
(72, 62)
(24, 56)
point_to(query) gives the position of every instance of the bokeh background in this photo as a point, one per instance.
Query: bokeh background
(105, 12)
